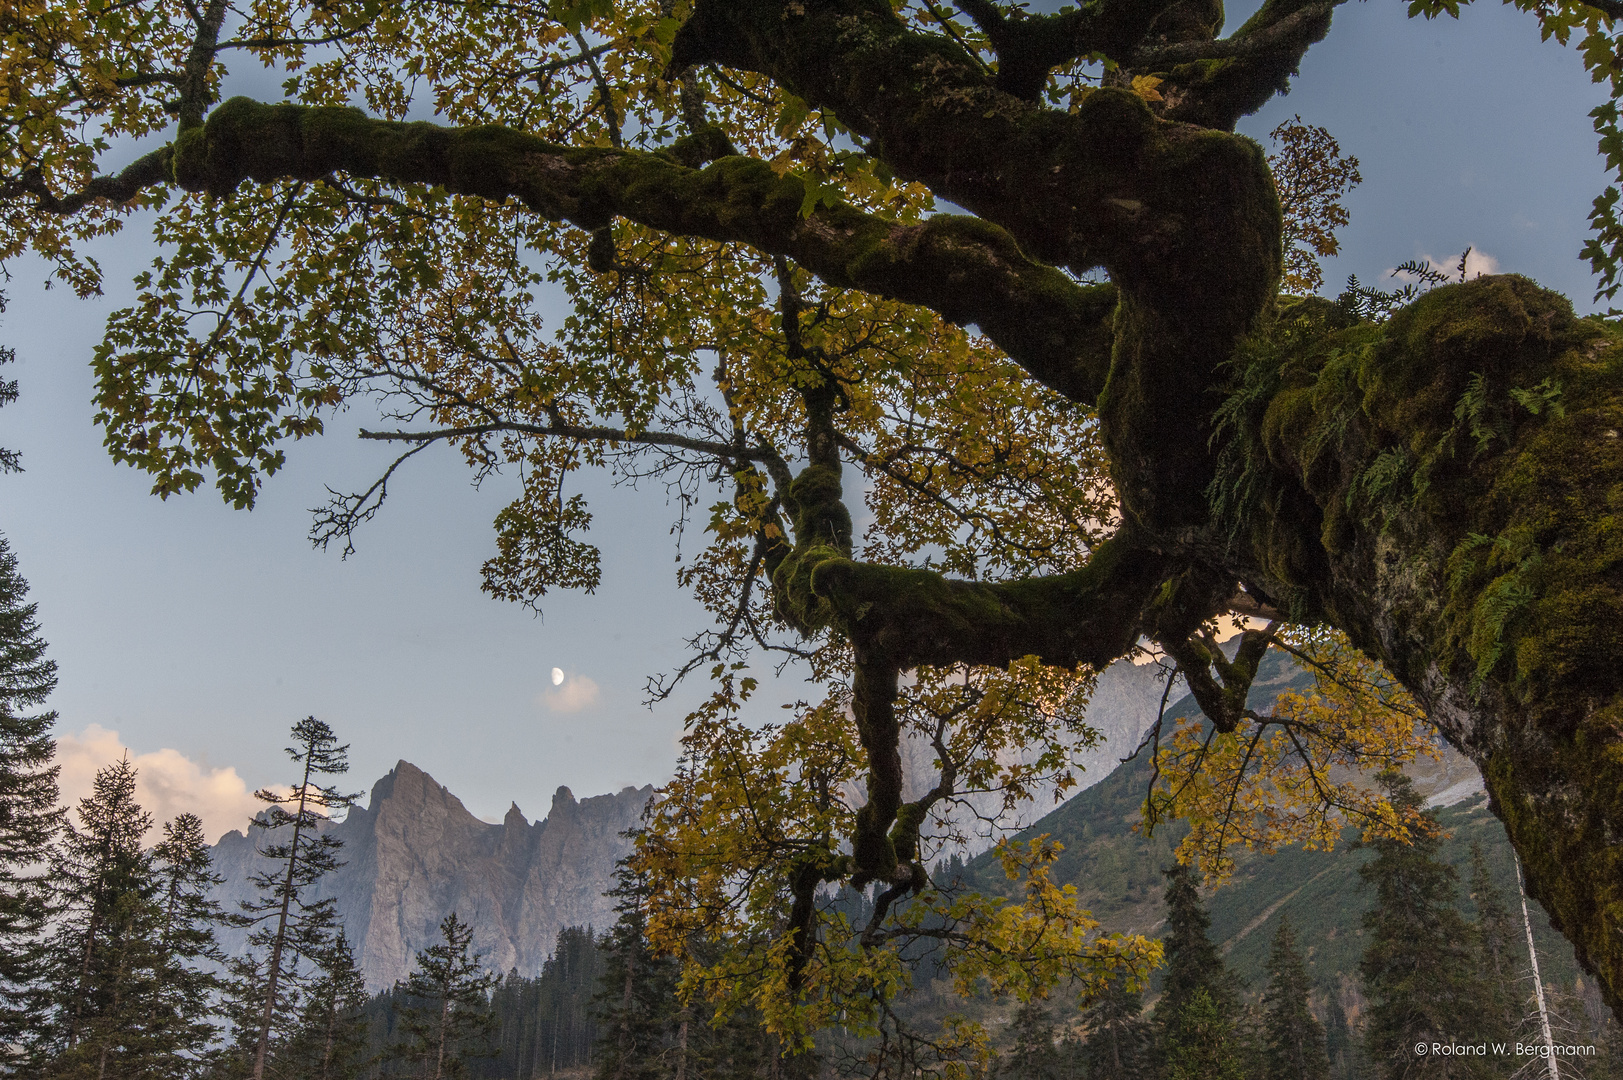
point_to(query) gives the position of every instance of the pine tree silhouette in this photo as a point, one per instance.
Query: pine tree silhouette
(1295, 1045)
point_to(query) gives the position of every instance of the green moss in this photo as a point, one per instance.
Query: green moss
(904, 835)
(1447, 487)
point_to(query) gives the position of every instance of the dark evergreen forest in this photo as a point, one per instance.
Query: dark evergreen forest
(541, 1026)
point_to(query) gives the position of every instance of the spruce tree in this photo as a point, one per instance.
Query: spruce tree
(1118, 1036)
(1499, 950)
(565, 992)
(188, 954)
(29, 818)
(106, 964)
(1194, 971)
(1294, 1047)
(1419, 969)
(1207, 1043)
(1193, 963)
(1032, 1057)
(291, 927)
(331, 1040)
(446, 1017)
(242, 1002)
(636, 1005)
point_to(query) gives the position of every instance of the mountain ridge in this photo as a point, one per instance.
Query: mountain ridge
(415, 853)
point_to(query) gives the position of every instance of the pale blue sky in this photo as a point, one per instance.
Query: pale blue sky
(191, 626)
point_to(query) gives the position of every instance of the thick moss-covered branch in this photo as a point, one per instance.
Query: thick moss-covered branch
(1215, 83)
(1108, 185)
(1030, 46)
(1447, 488)
(911, 617)
(968, 270)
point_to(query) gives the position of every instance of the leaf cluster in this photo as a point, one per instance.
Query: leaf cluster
(1298, 772)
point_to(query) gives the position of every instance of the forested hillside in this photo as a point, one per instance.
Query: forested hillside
(1116, 867)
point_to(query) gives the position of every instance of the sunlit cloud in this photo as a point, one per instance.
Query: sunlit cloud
(167, 782)
(1477, 264)
(572, 693)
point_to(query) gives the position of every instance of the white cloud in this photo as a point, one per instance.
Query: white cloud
(577, 693)
(1477, 264)
(167, 782)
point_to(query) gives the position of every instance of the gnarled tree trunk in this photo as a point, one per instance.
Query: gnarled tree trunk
(1445, 487)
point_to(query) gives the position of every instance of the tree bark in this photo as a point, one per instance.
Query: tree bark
(1448, 490)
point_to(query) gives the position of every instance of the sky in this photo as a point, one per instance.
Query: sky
(192, 636)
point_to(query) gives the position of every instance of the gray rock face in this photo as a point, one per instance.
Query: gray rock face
(415, 854)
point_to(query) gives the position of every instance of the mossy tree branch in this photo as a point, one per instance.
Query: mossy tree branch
(1446, 488)
(1215, 83)
(1218, 684)
(1110, 185)
(966, 270)
(1030, 46)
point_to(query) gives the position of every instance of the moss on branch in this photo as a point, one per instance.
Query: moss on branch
(1447, 487)
(1213, 84)
(1030, 46)
(1109, 185)
(910, 617)
(968, 270)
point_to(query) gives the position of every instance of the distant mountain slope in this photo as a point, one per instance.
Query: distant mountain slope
(1121, 708)
(1117, 871)
(415, 853)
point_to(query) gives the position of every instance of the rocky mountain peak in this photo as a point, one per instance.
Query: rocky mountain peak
(415, 853)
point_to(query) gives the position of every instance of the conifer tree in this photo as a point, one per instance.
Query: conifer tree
(241, 1004)
(1206, 1043)
(1295, 1045)
(290, 925)
(1032, 1057)
(1194, 971)
(331, 1040)
(1118, 1036)
(1419, 969)
(29, 818)
(1192, 961)
(637, 1006)
(569, 982)
(1499, 951)
(105, 959)
(188, 954)
(447, 1018)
